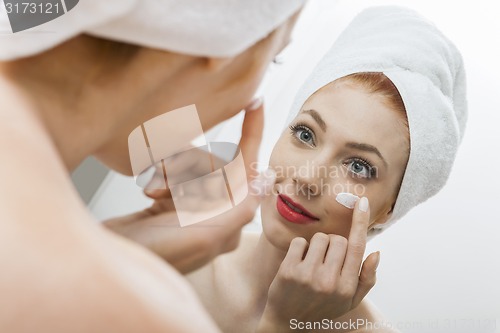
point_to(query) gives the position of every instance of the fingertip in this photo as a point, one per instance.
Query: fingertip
(299, 241)
(296, 250)
(363, 205)
(372, 261)
(255, 104)
(361, 215)
(321, 236)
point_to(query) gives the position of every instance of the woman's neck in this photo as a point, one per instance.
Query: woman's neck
(259, 277)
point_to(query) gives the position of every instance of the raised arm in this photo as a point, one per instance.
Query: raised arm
(61, 271)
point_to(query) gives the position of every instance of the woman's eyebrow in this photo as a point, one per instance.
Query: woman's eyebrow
(367, 148)
(317, 117)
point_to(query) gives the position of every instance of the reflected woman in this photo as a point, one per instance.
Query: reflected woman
(383, 113)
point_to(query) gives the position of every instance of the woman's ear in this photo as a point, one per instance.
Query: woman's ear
(217, 64)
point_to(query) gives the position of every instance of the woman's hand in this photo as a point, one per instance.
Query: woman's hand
(322, 280)
(188, 248)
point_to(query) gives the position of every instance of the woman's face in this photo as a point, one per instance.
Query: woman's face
(343, 140)
(219, 91)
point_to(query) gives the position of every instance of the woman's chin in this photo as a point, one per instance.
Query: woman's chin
(276, 231)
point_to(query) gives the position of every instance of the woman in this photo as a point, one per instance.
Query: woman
(66, 95)
(381, 117)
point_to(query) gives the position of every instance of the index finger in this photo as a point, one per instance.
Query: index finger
(251, 137)
(357, 239)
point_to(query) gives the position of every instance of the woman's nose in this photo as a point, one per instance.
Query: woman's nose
(310, 179)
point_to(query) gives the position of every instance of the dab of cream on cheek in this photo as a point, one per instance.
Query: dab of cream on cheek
(347, 199)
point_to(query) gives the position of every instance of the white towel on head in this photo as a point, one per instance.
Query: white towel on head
(427, 70)
(217, 28)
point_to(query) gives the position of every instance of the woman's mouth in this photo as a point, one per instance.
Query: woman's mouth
(293, 212)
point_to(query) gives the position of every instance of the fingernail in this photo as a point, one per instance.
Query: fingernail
(363, 204)
(377, 259)
(255, 104)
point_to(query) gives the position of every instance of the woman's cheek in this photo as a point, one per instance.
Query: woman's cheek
(338, 219)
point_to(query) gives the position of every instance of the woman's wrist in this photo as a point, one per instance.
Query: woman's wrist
(271, 323)
(266, 326)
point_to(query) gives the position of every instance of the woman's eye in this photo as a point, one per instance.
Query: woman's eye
(303, 134)
(360, 169)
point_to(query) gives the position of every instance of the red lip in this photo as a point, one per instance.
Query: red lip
(287, 208)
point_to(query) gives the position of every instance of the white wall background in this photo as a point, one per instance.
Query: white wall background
(439, 270)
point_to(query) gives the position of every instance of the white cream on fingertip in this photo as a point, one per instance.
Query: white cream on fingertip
(347, 199)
